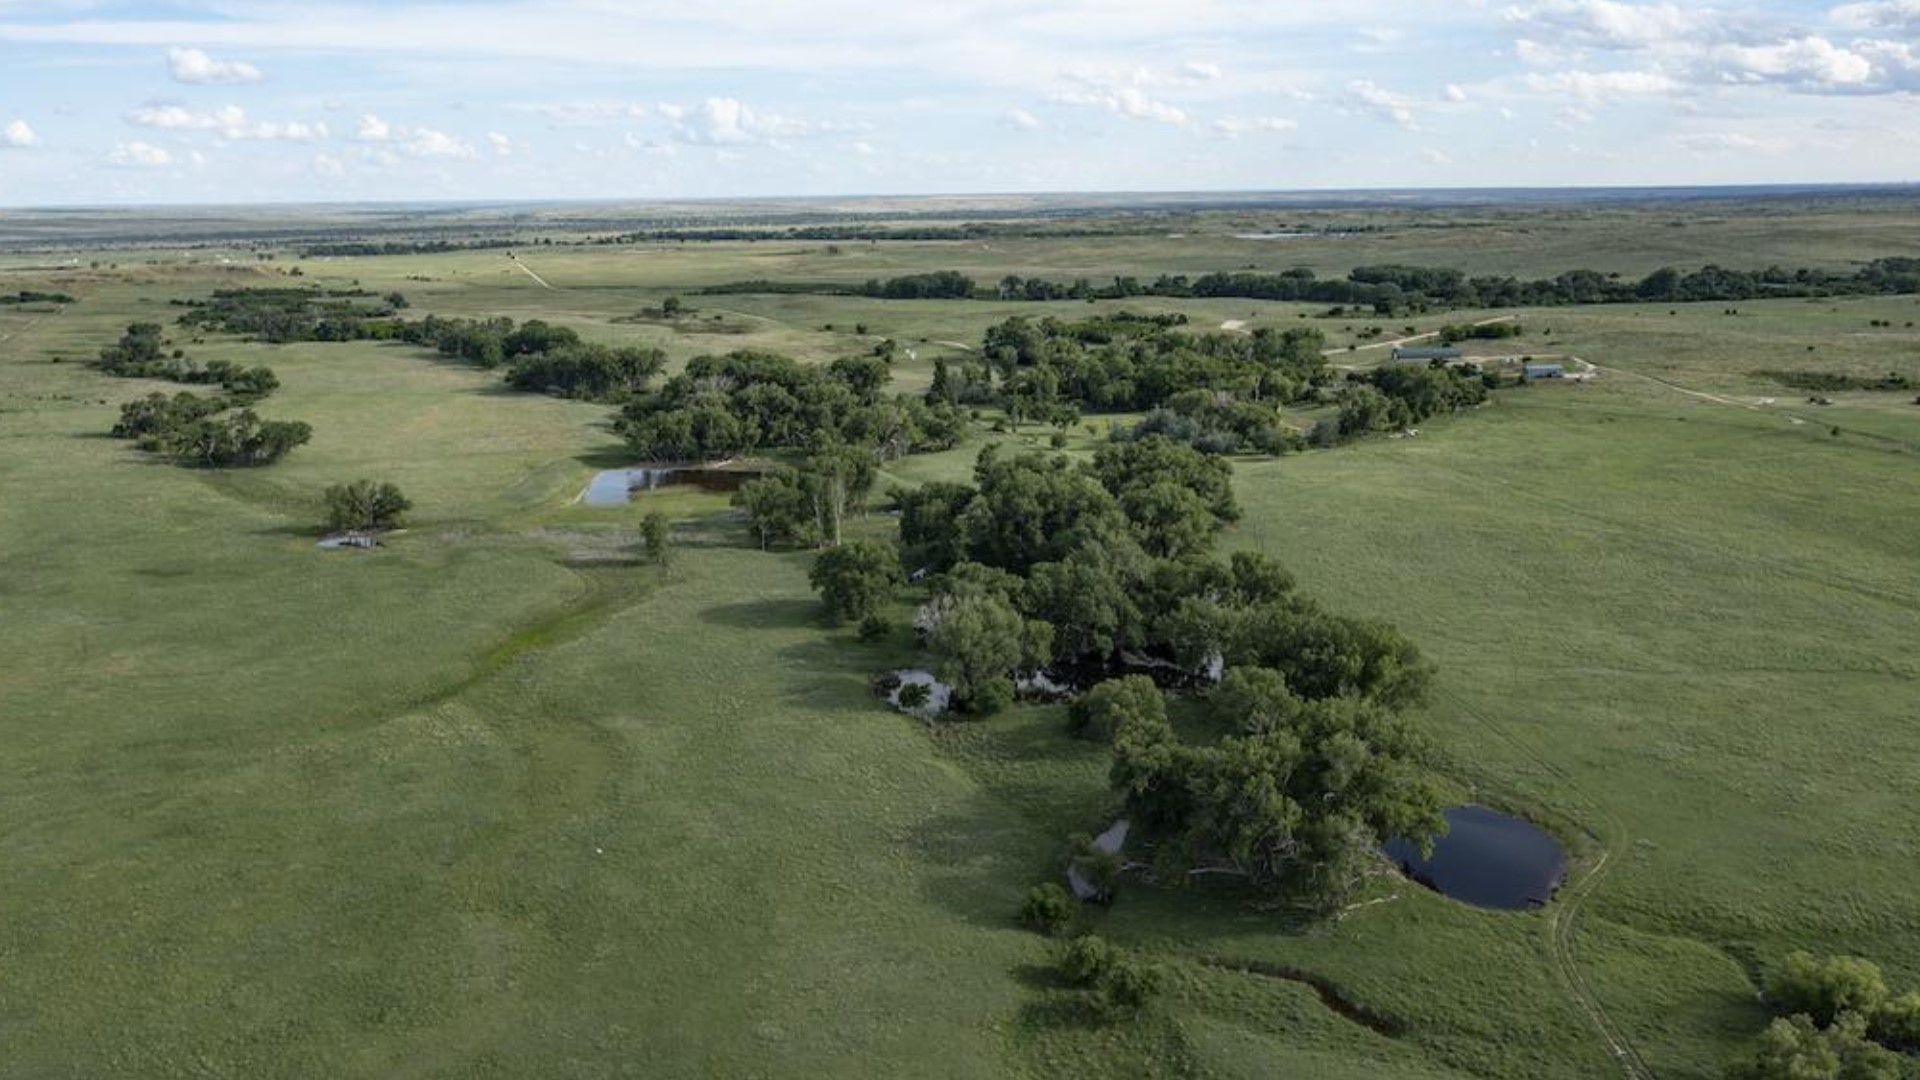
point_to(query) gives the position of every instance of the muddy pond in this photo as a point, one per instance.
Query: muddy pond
(614, 487)
(1487, 859)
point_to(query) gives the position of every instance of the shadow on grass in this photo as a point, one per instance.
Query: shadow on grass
(767, 615)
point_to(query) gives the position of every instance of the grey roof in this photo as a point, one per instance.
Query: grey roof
(1427, 352)
(1544, 369)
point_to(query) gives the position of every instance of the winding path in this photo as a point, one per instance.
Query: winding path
(1564, 913)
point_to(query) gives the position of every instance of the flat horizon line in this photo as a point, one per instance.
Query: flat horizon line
(1116, 196)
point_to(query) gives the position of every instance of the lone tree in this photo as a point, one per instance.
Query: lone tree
(655, 536)
(365, 505)
(856, 580)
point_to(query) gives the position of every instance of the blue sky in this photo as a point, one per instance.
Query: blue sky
(334, 100)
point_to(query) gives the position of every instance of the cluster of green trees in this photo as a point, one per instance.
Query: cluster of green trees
(33, 296)
(362, 248)
(540, 357)
(1391, 289)
(809, 505)
(141, 353)
(1830, 382)
(1101, 575)
(365, 506)
(938, 285)
(1397, 396)
(199, 431)
(1837, 1021)
(1220, 391)
(722, 406)
(282, 315)
(1454, 333)
(191, 429)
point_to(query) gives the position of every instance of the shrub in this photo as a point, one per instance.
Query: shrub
(1086, 960)
(875, 626)
(1126, 987)
(1048, 908)
(915, 696)
(994, 696)
(1823, 989)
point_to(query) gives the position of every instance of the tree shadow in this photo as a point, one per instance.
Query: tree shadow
(765, 614)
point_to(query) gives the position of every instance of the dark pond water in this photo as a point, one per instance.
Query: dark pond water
(616, 486)
(1487, 859)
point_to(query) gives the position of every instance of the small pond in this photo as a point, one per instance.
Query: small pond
(1487, 859)
(614, 487)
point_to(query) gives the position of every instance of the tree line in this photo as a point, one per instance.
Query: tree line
(1396, 289)
(724, 406)
(190, 429)
(1218, 392)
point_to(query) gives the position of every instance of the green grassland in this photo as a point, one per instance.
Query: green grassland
(500, 799)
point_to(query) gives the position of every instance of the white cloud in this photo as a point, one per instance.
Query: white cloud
(194, 66)
(1436, 157)
(230, 121)
(1890, 16)
(18, 135)
(1122, 97)
(1607, 24)
(1600, 85)
(1364, 95)
(502, 146)
(1808, 62)
(1733, 143)
(1233, 127)
(1453, 93)
(590, 113)
(428, 143)
(373, 129)
(140, 155)
(328, 166)
(1020, 120)
(1534, 54)
(1201, 71)
(725, 121)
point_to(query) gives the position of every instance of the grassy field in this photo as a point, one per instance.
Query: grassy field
(500, 799)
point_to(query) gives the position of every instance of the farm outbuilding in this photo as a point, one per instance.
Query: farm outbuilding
(1425, 354)
(1543, 371)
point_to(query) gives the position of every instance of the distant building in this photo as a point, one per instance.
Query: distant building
(1543, 371)
(1425, 354)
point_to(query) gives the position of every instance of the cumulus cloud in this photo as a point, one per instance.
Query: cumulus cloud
(1900, 17)
(229, 121)
(1233, 127)
(1453, 93)
(1364, 95)
(1020, 120)
(140, 155)
(1808, 62)
(1127, 97)
(428, 143)
(194, 66)
(1201, 71)
(1606, 24)
(18, 135)
(328, 166)
(725, 121)
(373, 129)
(502, 146)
